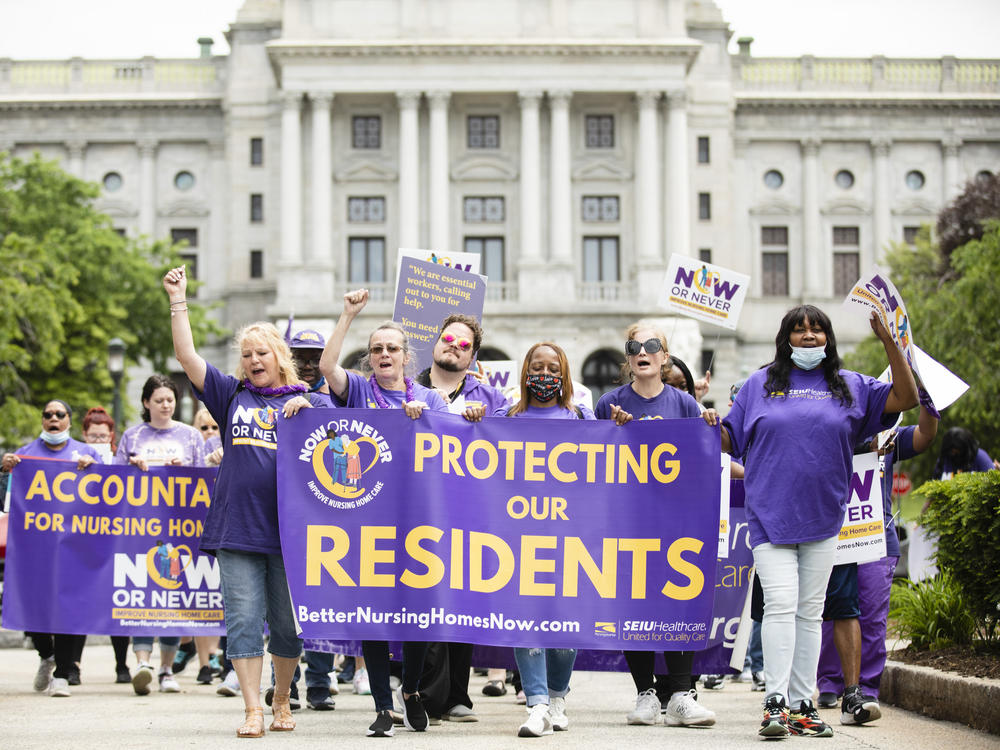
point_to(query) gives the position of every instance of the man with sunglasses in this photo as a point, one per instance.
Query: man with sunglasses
(445, 680)
(307, 346)
(57, 652)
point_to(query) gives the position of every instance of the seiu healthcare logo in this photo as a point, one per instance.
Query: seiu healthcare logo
(345, 455)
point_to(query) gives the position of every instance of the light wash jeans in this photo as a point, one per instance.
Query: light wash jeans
(794, 579)
(545, 672)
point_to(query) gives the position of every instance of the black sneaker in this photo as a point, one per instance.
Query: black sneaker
(382, 726)
(414, 715)
(318, 699)
(804, 720)
(205, 675)
(185, 652)
(828, 699)
(712, 681)
(73, 678)
(123, 676)
(775, 723)
(858, 708)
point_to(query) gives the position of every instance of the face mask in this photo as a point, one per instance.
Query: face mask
(808, 357)
(55, 438)
(544, 387)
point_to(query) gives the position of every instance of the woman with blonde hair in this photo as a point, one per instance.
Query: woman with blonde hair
(241, 528)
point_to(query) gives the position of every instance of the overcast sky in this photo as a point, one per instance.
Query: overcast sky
(58, 29)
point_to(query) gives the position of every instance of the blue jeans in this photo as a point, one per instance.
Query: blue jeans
(255, 591)
(755, 650)
(545, 672)
(145, 643)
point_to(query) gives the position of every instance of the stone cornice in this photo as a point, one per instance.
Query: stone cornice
(866, 101)
(35, 103)
(286, 51)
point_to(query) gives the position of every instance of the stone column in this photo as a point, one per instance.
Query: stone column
(745, 251)
(678, 186)
(530, 263)
(75, 150)
(291, 179)
(215, 252)
(560, 181)
(647, 184)
(950, 147)
(813, 260)
(320, 251)
(440, 198)
(409, 170)
(147, 187)
(882, 218)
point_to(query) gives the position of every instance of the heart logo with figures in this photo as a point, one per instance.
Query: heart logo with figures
(340, 462)
(165, 563)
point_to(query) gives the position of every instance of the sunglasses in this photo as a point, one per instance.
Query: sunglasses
(450, 338)
(207, 427)
(306, 359)
(56, 414)
(391, 348)
(633, 347)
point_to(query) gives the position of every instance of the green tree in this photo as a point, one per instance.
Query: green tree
(68, 284)
(952, 301)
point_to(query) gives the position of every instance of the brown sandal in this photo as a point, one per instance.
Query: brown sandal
(282, 712)
(253, 726)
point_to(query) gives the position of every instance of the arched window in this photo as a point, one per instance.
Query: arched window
(601, 371)
(353, 360)
(491, 354)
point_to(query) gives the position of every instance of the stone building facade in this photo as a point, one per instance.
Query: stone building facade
(574, 144)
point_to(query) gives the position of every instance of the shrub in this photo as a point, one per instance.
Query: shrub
(931, 614)
(964, 512)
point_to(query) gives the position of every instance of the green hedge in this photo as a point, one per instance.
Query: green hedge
(965, 514)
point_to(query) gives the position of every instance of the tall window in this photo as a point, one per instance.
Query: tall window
(366, 131)
(483, 209)
(599, 131)
(190, 236)
(705, 254)
(190, 253)
(490, 250)
(483, 131)
(369, 209)
(910, 235)
(600, 208)
(256, 207)
(601, 371)
(774, 261)
(846, 259)
(704, 206)
(256, 264)
(256, 152)
(704, 155)
(366, 260)
(600, 259)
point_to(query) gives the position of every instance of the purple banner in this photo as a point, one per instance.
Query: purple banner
(507, 532)
(111, 550)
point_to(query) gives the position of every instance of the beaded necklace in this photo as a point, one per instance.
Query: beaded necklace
(281, 390)
(380, 399)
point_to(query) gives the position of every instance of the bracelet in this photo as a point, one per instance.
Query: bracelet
(179, 302)
(179, 309)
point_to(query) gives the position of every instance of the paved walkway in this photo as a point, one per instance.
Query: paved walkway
(101, 715)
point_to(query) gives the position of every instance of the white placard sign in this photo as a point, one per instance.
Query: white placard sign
(704, 291)
(862, 537)
(727, 469)
(876, 292)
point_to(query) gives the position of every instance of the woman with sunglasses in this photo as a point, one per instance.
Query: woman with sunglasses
(205, 423)
(795, 423)
(546, 393)
(388, 387)
(241, 528)
(56, 652)
(645, 395)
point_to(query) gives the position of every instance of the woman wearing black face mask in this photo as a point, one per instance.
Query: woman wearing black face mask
(546, 393)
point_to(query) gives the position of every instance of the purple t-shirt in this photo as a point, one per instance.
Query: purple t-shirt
(213, 444)
(361, 396)
(71, 451)
(244, 511)
(491, 398)
(550, 412)
(982, 462)
(670, 403)
(902, 451)
(798, 449)
(160, 447)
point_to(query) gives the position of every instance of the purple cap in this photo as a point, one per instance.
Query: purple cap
(307, 340)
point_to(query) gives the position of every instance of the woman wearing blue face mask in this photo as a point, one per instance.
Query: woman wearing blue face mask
(795, 424)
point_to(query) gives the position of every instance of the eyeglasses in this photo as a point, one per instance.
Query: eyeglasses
(207, 427)
(633, 347)
(378, 349)
(56, 414)
(450, 338)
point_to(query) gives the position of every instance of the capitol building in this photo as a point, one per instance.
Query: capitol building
(575, 145)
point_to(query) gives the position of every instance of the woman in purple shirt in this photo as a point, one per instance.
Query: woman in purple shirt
(795, 424)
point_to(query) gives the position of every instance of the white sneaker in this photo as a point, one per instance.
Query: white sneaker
(59, 687)
(334, 690)
(230, 686)
(360, 682)
(684, 711)
(538, 723)
(44, 674)
(168, 684)
(745, 676)
(557, 714)
(141, 679)
(647, 709)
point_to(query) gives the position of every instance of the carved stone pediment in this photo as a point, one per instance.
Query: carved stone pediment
(365, 170)
(775, 208)
(483, 167)
(601, 169)
(185, 207)
(846, 207)
(119, 208)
